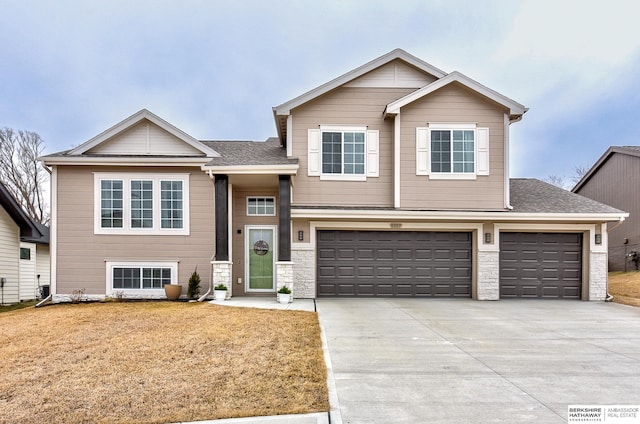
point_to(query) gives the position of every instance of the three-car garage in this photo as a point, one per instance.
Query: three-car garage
(353, 263)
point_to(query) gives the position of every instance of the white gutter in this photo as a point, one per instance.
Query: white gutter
(138, 161)
(390, 214)
(252, 169)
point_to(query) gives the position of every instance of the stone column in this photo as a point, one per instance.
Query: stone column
(284, 276)
(222, 275)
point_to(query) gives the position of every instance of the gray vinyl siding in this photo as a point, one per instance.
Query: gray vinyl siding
(9, 257)
(616, 184)
(452, 104)
(81, 254)
(354, 107)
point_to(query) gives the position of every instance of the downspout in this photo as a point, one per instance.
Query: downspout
(44, 301)
(507, 171)
(609, 297)
(204, 296)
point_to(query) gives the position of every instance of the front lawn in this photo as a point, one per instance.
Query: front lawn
(625, 287)
(158, 362)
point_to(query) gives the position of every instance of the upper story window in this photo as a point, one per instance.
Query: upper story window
(343, 153)
(452, 151)
(261, 206)
(141, 204)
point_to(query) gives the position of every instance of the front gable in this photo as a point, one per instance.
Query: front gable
(146, 134)
(144, 138)
(395, 74)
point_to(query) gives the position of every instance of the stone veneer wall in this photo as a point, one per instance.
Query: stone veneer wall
(488, 282)
(304, 271)
(284, 277)
(222, 275)
(598, 275)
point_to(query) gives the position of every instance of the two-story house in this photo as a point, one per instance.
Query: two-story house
(390, 180)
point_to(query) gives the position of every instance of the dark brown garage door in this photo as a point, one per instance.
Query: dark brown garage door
(538, 265)
(394, 263)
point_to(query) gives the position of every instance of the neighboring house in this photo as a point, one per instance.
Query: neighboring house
(615, 180)
(390, 180)
(24, 252)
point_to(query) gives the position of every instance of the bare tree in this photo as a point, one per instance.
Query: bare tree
(22, 173)
(579, 171)
(556, 180)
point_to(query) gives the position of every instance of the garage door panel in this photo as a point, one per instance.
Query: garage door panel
(571, 292)
(327, 253)
(346, 271)
(394, 263)
(541, 265)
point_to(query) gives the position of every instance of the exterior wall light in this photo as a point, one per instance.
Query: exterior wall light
(598, 238)
(300, 235)
(487, 238)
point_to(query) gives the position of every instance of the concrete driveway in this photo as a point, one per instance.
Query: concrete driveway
(464, 361)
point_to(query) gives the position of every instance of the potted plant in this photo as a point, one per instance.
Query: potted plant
(284, 294)
(172, 291)
(220, 292)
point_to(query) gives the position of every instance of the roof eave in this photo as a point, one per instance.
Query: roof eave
(283, 169)
(124, 160)
(605, 157)
(516, 110)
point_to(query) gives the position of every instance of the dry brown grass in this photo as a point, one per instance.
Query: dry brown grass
(158, 362)
(625, 287)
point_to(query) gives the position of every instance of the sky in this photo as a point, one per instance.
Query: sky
(73, 68)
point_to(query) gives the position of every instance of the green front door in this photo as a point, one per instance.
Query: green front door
(260, 247)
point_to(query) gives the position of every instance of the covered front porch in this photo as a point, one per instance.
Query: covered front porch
(252, 226)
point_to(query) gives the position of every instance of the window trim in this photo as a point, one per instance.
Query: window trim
(342, 176)
(127, 178)
(110, 265)
(422, 150)
(261, 197)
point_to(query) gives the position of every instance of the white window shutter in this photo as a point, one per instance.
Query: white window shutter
(314, 153)
(373, 153)
(423, 164)
(482, 149)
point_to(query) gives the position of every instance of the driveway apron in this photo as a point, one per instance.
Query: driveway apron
(464, 361)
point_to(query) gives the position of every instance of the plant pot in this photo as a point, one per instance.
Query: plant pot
(172, 291)
(219, 294)
(284, 297)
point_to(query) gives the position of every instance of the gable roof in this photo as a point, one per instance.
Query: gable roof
(281, 112)
(251, 156)
(516, 110)
(131, 121)
(625, 150)
(285, 108)
(29, 230)
(530, 195)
